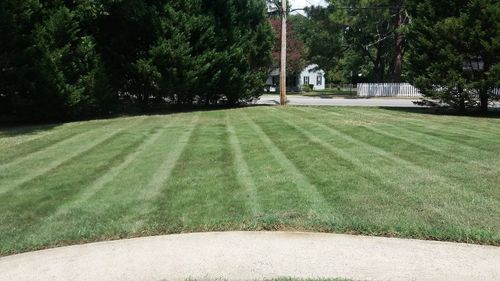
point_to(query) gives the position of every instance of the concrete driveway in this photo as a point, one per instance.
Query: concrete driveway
(257, 256)
(304, 100)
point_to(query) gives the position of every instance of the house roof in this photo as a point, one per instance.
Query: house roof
(275, 72)
(309, 68)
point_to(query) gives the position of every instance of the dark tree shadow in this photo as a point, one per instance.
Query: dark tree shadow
(493, 113)
(10, 127)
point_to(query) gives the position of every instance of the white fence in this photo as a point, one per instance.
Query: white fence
(387, 90)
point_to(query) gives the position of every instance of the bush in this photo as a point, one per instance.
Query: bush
(307, 88)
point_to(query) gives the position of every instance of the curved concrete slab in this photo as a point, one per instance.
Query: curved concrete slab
(257, 255)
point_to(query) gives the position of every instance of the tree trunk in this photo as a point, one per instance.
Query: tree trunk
(461, 103)
(378, 68)
(484, 99)
(399, 41)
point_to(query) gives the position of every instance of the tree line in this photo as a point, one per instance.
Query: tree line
(65, 59)
(448, 49)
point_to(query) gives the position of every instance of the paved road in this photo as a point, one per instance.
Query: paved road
(303, 100)
(376, 102)
(257, 255)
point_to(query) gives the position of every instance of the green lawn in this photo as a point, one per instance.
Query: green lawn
(346, 170)
(334, 92)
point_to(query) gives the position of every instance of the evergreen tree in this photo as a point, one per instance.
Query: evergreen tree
(50, 67)
(186, 52)
(455, 51)
(66, 59)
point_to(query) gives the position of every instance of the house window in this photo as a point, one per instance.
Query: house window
(319, 80)
(306, 80)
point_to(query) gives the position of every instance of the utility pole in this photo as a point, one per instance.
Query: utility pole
(283, 53)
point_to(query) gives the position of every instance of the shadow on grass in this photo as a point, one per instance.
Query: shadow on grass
(10, 127)
(493, 113)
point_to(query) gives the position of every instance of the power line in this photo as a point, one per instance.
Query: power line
(366, 8)
(309, 3)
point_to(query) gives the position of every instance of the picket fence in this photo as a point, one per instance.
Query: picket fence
(387, 90)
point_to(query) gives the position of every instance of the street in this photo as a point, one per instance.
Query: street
(340, 101)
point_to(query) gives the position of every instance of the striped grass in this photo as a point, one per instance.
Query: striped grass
(347, 170)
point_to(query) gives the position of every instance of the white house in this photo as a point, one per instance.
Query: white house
(311, 75)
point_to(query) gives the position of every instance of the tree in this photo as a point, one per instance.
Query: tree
(295, 50)
(350, 37)
(455, 51)
(68, 59)
(186, 52)
(50, 66)
(17, 20)
(322, 39)
(373, 30)
(400, 19)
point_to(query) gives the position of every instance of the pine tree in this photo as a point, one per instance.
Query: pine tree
(50, 65)
(67, 59)
(455, 51)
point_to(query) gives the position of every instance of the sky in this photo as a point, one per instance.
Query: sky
(297, 4)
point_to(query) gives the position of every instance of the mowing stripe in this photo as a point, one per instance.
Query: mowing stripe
(163, 172)
(480, 125)
(468, 133)
(10, 142)
(242, 172)
(437, 124)
(157, 183)
(111, 174)
(431, 148)
(29, 156)
(47, 168)
(84, 195)
(440, 139)
(309, 191)
(362, 168)
(427, 135)
(54, 145)
(437, 119)
(27, 146)
(363, 144)
(421, 171)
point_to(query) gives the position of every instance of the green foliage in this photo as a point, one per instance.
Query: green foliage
(295, 48)
(306, 88)
(360, 39)
(69, 59)
(445, 40)
(50, 68)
